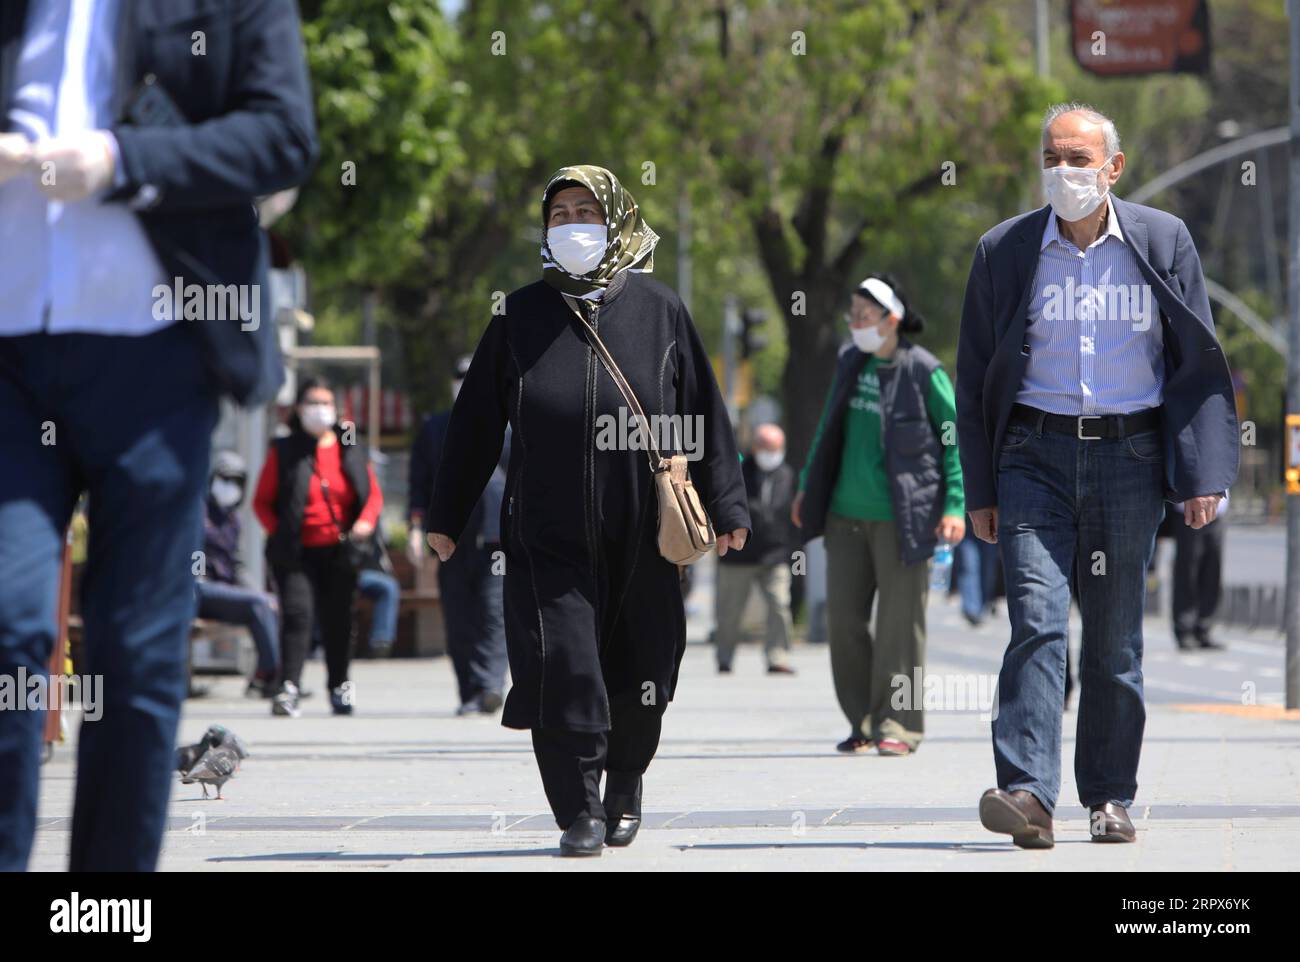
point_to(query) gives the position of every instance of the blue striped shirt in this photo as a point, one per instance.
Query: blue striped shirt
(1094, 333)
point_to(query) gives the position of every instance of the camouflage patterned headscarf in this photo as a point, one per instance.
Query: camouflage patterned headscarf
(631, 242)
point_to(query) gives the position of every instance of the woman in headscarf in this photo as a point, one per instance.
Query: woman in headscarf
(595, 625)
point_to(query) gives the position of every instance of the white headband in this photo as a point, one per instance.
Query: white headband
(884, 295)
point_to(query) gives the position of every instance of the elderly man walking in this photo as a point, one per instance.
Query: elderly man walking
(1090, 389)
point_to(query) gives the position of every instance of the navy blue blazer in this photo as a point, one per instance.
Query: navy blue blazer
(1200, 413)
(250, 131)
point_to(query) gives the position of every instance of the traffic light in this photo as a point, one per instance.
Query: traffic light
(751, 342)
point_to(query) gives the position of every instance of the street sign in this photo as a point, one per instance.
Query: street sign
(1119, 38)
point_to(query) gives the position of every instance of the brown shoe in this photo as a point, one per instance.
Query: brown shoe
(1110, 823)
(1018, 814)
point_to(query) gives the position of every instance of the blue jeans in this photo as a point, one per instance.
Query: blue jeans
(1063, 501)
(132, 419)
(239, 605)
(977, 575)
(384, 591)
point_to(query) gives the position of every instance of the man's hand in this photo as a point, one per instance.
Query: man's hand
(442, 545)
(951, 529)
(72, 168)
(796, 510)
(15, 153)
(1198, 512)
(984, 522)
(732, 542)
(415, 546)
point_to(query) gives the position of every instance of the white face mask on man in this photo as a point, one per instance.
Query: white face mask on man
(1075, 192)
(578, 248)
(769, 460)
(317, 418)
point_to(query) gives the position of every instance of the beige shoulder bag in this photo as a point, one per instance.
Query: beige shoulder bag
(685, 532)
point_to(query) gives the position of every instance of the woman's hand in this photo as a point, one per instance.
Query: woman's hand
(733, 541)
(796, 510)
(362, 530)
(952, 528)
(442, 546)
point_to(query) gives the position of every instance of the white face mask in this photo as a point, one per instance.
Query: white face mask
(868, 339)
(226, 493)
(578, 248)
(1074, 192)
(769, 460)
(317, 418)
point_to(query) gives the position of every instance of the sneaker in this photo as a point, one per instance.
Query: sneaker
(286, 701)
(724, 669)
(892, 746)
(343, 698)
(855, 744)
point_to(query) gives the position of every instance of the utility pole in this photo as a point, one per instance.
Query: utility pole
(1292, 618)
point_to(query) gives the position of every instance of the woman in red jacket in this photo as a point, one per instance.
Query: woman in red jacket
(317, 489)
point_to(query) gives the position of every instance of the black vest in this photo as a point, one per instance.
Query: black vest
(913, 451)
(296, 456)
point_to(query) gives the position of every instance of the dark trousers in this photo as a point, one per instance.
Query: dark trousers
(239, 605)
(320, 590)
(1197, 572)
(476, 628)
(571, 762)
(129, 420)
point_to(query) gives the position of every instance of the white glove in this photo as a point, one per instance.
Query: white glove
(415, 549)
(15, 152)
(74, 167)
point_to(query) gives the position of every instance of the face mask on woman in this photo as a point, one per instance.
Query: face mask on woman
(578, 248)
(227, 493)
(1074, 192)
(316, 418)
(867, 339)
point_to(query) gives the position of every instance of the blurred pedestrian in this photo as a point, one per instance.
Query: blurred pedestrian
(1198, 586)
(595, 625)
(128, 170)
(1090, 384)
(470, 582)
(770, 485)
(376, 582)
(319, 500)
(222, 596)
(883, 483)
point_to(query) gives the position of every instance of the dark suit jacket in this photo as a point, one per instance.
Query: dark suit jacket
(484, 525)
(250, 132)
(1200, 415)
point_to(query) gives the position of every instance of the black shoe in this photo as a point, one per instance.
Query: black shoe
(855, 744)
(724, 669)
(622, 816)
(586, 836)
(490, 702)
(780, 670)
(343, 698)
(1185, 643)
(1205, 643)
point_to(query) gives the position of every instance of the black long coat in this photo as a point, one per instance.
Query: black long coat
(591, 609)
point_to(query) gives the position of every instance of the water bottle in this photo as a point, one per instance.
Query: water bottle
(941, 574)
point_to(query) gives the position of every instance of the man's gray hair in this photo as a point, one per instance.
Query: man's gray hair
(1109, 135)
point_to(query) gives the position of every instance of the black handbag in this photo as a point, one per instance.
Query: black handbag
(357, 555)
